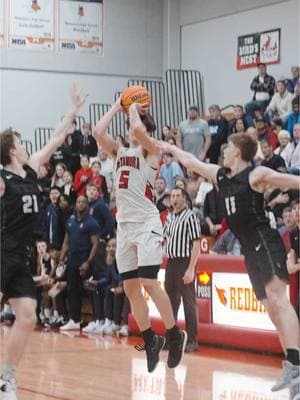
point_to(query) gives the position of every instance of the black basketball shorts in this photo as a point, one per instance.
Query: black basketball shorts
(264, 258)
(16, 280)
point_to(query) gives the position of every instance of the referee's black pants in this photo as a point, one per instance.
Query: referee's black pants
(176, 290)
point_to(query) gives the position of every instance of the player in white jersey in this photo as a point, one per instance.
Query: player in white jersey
(139, 234)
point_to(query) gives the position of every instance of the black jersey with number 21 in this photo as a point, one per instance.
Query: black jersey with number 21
(19, 209)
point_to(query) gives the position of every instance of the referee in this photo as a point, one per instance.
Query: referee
(182, 236)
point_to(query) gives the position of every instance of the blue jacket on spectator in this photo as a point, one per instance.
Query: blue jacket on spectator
(100, 211)
(53, 231)
(292, 120)
(80, 232)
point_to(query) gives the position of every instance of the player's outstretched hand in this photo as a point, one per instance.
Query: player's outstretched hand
(165, 147)
(78, 96)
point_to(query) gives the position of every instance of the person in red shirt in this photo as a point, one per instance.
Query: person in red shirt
(265, 132)
(100, 181)
(82, 176)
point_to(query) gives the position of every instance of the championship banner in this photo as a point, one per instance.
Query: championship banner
(1, 23)
(80, 26)
(259, 47)
(31, 24)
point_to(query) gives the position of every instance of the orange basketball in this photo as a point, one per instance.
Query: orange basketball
(134, 94)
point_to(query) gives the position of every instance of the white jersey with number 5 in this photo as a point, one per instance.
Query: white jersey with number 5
(134, 186)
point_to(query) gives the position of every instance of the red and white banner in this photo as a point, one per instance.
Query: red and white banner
(80, 26)
(31, 24)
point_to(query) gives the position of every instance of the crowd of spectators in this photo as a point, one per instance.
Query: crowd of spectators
(74, 256)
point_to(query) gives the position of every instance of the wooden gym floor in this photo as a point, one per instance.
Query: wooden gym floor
(94, 367)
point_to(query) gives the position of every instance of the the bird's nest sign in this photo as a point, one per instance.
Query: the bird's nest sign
(255, 48)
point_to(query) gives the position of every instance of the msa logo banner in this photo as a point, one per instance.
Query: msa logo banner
(68, 45)
(18, 42)
(235, 303)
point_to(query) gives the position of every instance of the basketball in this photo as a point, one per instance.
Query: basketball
(134, 94)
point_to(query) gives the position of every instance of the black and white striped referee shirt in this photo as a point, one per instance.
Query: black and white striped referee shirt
(180, 230)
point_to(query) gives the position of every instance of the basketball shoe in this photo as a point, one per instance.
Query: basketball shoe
(290, 376)
(152, 351)
(177, 347)
(8, 389)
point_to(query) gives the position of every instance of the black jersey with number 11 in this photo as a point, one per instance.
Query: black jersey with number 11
(242, 206)
(19, 209)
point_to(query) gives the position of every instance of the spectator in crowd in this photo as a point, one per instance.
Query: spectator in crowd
(83, 176)
(240, 126)
(259, 155)
(294, 116)
(65, 210)
(182, 236)
(62, 155)
(265, 132)
(294, 155)
(169, 170)
(263, 86)
(238, 113)
(162, 198)
(115, 297)
(271, 160)
(291, 83)
(213, 214)
(107, 169)
(293, 260)
(285, 147)
(288, 221)
(80, 245)
(218, 127)
(97, 295)
(277, 125)
(166, 132)
(52, 230)
(68, 188)
(193, 181)
(227, 243)
(281, 103)
(276, 201)
(193, 134)
(44, 183)
(100, 211)
(204, 188)
(57, 178)
(88, 144)
(73, 143)
(100, 181)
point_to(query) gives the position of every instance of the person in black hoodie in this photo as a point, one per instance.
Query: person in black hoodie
(52, 230)
(73, 144)
(88, 144)
(218, 127)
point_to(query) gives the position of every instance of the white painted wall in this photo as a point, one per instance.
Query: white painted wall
(34, 85)
(211, 47)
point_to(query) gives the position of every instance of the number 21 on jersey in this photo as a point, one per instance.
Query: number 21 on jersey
(30, 204)
(230, 205)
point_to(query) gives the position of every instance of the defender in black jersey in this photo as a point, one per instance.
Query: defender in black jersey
(19, 216)
(241, 189)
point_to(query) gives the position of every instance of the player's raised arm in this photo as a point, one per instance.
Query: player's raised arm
(108, 144)
(61, 131)
(206, 170)
(139, 130)
(263, 178)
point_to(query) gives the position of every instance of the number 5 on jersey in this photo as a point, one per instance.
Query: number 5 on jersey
(123, 181)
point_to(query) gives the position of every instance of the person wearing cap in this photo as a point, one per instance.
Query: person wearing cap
(263, 86)
(265, 132)
(281, 103)
(193, 134)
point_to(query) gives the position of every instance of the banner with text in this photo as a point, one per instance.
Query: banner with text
(80, 26)
(259, 47)
(31, 24)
